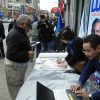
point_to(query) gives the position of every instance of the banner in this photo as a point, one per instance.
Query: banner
(82, 31)
(94, 18)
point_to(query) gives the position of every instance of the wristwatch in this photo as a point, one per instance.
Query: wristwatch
(90, 96)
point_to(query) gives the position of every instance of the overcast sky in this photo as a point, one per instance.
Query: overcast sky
(48, 4)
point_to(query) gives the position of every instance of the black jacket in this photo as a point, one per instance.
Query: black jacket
(18, 45)
(45, 34)
(11, 25)
(2, 31)
(75, 53)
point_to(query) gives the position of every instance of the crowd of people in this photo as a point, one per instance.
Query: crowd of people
(83, 54)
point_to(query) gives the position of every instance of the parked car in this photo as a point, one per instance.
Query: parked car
(6, 20)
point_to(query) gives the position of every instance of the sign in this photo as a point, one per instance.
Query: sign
(94, 17)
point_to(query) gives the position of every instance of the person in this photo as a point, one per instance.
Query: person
(34, 30)
(75, 57)
(2, 37)
(95, 77)
(12, 23)
(96, 27)
(91, 48)
(45, 35)
(18, 54)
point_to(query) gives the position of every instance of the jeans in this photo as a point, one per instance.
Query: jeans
(15, 78)
(47, 46)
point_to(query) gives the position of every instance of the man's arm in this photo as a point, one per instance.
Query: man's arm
(87, 71)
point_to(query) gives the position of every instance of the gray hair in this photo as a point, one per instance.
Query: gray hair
(23, 18)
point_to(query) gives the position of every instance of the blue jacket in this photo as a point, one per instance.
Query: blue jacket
(91, 67)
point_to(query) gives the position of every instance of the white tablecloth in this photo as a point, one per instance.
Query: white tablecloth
(54, 79)
(51, 79)
(53, 55)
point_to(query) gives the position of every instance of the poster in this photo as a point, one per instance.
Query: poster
(94, 17)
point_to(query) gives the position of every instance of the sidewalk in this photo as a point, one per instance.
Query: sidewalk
(4, 94)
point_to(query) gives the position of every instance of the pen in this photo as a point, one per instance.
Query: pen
(70, 96)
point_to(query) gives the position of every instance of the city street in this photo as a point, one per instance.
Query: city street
(4, 94)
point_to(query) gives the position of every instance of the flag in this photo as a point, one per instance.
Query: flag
(61, 6)
(60, 23)
(82, 30)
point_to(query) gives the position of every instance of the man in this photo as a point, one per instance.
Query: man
(96, 27)
(12, 23)
(18, 54)
(2, 37)
(46, 35)
(91, 48)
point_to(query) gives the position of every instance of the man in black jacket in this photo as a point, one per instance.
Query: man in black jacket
(18, 54)
(12, 23)
(2, 37)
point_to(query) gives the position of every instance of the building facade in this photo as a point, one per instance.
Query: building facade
(11, 7)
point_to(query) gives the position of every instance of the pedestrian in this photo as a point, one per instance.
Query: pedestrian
(2, 37)
(35, 30)
(46, 35)
(75, 57)
(12, 23)
(18, 54)
(91, 48)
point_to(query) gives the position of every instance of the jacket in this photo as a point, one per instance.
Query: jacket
(18, 45)
(2, 31)
(11, 25)
(74, 48)
(90, 67)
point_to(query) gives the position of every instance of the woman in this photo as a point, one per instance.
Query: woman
(75, 57)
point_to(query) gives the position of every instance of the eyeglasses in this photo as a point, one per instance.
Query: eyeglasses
(87, 51)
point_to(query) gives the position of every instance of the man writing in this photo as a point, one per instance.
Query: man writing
(91, 48)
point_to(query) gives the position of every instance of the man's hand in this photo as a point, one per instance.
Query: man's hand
(82, 93)
(76, 87)
(30, 54)
(62, 63)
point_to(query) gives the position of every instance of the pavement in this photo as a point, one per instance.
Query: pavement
(4, 94)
